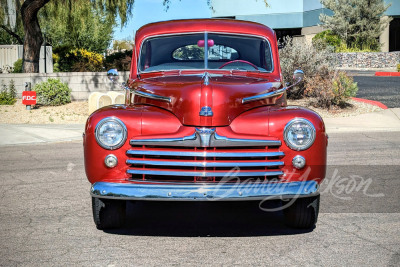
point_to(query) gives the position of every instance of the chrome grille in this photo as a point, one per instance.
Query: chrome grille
(203, 164)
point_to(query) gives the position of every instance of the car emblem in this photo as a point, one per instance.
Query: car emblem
(206, 111)
(205, 135)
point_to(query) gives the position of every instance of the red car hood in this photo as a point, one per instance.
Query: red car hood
(190, 93)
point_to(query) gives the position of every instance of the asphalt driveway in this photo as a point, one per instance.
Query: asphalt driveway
(382, 89)
(45, 216)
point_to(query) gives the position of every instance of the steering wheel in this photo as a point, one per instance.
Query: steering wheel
(238, 60)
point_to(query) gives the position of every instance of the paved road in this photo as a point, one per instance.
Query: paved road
(45, 216)
(382, 89)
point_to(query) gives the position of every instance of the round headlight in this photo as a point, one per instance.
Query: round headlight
(299, 134)
(110, 133)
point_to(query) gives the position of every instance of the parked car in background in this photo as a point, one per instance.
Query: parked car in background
(205, 119)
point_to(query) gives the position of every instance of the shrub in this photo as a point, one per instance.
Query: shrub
(6, 69)
(56, 65)
(73, 59)
(326, 38)
(64, 63)
(120, 61)
(8, 95)
(18, 66)
(52, 93)
(398, 67)
(88, 61)
(331, 89)
(298, 54)
(343, 48)
(320, 87)
(343, 87)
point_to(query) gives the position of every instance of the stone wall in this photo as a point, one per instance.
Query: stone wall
(368, 60)
(81, 83)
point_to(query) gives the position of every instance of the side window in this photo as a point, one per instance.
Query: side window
(268, 57)
(145, 55)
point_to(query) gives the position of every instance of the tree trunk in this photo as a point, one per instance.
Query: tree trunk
(33, 35)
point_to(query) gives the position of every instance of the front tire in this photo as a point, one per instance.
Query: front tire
(108, 213)
(302, 213)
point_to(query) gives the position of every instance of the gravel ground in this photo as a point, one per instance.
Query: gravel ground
(72, 113)
(354, 108)
(77, 112)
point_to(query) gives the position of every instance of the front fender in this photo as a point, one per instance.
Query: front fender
(315, 156)
(269, 123)
(139, 120)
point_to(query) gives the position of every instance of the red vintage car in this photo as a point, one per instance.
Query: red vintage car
(205, 119)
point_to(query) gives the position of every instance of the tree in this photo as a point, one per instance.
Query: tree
(359, 23)
(107, 10)
(87, 27)
(120, 45)
(33, 39)
(11, 28)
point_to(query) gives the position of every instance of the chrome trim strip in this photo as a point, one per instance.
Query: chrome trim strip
(194, 141)
(143, 94)
(203, 154)
(205, 50)
(152, 96)
(263, 96)
(165, 141)
(203, 192)
(227, 174)
(274, 93)
(241, 142)
(206, 164)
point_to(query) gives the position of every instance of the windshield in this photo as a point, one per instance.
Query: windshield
(188, 51)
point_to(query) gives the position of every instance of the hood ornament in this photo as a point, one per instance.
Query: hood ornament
(205, 136)
(206, 78)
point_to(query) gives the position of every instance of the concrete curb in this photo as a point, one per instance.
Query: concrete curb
(371, 102)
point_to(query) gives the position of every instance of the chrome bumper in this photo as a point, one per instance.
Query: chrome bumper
(201, 192)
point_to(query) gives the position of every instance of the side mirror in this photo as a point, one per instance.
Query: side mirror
(298, 76)
(113, 75)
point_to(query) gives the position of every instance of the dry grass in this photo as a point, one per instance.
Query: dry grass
(77, 112)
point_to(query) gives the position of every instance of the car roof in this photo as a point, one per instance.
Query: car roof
(201, 25)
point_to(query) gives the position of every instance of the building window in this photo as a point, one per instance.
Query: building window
(394, 35)
(281, 33)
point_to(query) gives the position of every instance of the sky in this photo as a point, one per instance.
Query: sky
(147, 11)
